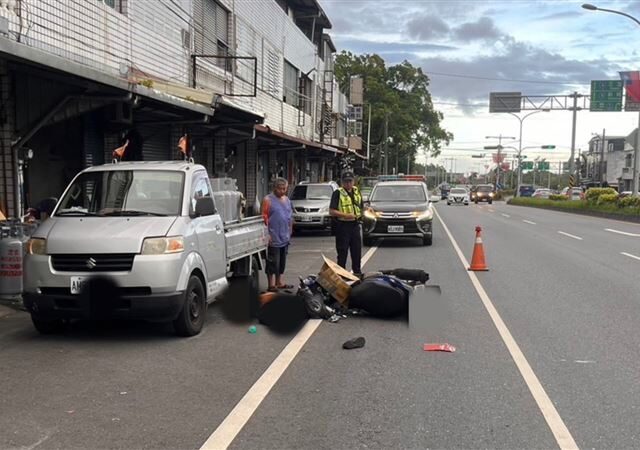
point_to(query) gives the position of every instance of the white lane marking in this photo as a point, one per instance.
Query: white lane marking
(556, 424)
(584, 361)
(505, 215)
(492, 210)
(622, 232)
(570, 235)
(630, 255)
(227, 431)
(529, 222)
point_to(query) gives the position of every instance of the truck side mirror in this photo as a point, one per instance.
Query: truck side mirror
(204, 207)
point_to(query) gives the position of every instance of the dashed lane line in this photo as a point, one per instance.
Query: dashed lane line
(505, 215)
(570, 235)
(529, 222)
(630, 255)
(622, 232)
(556, 424)
(231, 426)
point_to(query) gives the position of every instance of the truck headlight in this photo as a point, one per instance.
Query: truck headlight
(37, 246)
(427, 214)
(324, 209)
(163, 245)
(369, 213)
(490, 194)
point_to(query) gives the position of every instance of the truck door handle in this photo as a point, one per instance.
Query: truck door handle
(218, 228)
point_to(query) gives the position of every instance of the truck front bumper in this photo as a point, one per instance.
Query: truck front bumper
(149, 290)
(61, 305)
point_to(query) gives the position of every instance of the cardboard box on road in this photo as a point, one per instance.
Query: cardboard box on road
(336, 280)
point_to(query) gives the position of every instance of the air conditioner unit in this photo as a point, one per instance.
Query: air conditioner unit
(119, 113)
(343, 141)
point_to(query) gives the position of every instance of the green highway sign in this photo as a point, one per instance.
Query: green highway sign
(543, 166)
(606, 95)
(527, 165)
(548, 147)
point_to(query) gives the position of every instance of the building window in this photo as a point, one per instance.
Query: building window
(116, 5)
(306, 89)
(628, 160)
(212, 32)
(290, 94)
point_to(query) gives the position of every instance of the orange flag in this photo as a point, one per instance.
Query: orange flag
(182, 144)
(119, 152)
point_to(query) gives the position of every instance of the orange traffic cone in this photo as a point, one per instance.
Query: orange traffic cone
(477, 260)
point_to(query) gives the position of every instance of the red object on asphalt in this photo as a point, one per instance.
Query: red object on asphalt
(439, 348)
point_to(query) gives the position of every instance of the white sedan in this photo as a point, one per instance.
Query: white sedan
(458, 196)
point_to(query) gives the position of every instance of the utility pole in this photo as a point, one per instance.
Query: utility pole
(369, 134)
(601, 171)
(636, 159)
(386, 143)
(575, 108)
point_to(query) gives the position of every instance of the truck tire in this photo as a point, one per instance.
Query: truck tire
(191, 318)
(45, 326)
(367, 241)
(427, 240)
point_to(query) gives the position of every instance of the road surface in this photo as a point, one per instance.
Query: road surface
(547, 356)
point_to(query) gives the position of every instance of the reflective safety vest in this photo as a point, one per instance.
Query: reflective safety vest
(346, 205)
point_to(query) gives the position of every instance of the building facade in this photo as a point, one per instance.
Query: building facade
(250, 83)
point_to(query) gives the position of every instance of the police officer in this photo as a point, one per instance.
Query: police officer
(346, 206)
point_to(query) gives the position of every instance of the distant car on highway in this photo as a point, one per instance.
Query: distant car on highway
(624, 194)
(484, 193)
(542, 193)
(398, 209)
(458, 196)
(366, 185)
(310, 203)
(526, 190)
(575, 193)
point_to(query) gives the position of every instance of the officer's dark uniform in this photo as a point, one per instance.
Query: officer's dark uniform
(348, 234)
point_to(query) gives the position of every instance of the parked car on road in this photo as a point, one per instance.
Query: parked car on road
(141, 240)
(398, 209)
(526, 190)
(575, 193)
(310, 203)
(542, 193)
(458, 196)
(484, 193)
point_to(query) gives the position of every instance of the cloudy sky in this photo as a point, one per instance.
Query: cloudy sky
(472, 48)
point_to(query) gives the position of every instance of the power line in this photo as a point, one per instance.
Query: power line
(476, 77)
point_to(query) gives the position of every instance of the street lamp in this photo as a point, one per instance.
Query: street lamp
(636, 153)
(521, 119)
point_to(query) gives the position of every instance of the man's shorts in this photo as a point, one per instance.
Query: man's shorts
(276, 260)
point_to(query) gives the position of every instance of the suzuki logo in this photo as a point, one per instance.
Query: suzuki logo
(91, 263)
(306, 210)
(395, 215)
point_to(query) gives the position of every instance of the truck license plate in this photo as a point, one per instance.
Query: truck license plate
(395, 228)
(306, 218)
(77, 284)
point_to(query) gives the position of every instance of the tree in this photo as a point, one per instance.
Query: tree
(401, 93)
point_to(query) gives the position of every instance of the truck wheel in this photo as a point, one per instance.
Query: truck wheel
(427, 240)
(491, 202)
(47, 326)
(367, 241)
(191, 317)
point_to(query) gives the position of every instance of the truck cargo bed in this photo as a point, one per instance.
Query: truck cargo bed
(244, 237)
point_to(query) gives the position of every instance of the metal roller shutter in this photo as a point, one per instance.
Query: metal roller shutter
(156, 144)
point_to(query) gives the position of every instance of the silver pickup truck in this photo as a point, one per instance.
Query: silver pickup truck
(138, 240)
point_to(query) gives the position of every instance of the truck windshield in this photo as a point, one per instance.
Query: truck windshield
(124, 193)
